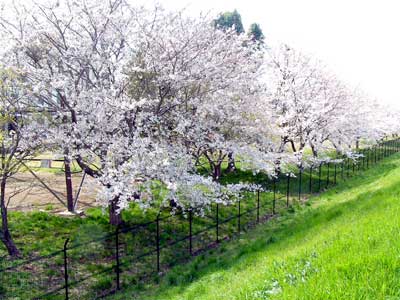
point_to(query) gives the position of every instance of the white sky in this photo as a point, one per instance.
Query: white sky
(357, 39)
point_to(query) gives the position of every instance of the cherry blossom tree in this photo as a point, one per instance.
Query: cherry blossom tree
(133, 91)
(22, 135)
(311, 107)
(141, 97)
(203, 81)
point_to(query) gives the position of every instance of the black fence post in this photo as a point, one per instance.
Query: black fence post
(258, 205)
(379, 152)
(327, 176)
(66, 269)
(274, 200)
(348, 167)
(363, 159)
(319, 177)
(300, 177)
(368, 154)
(238, 217)
(375, 153)
(117, 262)
(334, 178)
(158, 242)
(287, 189)
(342, 167)
(217, 223)
(190, 232)
(310, 183)
(385, 147)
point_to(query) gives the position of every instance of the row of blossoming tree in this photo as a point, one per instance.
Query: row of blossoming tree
(141, 97)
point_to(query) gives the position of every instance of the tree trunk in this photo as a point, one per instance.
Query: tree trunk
(5, 234)
(314, 151)
(216, 172)
(293, 146)
(115, 214)
(68, 184)
(231, 163)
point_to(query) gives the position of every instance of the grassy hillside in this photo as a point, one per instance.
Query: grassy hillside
(343, 244)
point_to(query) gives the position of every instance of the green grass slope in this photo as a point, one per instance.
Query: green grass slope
(344, 244)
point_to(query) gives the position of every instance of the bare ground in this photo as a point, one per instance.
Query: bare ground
(27, 193)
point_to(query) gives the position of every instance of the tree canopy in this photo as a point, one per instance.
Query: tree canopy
(228, 20)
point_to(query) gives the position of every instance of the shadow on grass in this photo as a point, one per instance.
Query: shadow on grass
(277, 231)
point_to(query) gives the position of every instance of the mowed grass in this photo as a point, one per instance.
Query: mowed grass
(343, 244)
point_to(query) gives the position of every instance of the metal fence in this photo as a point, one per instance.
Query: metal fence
(87, 269)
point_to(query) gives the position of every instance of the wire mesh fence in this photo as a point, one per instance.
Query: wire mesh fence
(87, 268)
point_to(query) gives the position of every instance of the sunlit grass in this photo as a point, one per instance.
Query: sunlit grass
(343, 245)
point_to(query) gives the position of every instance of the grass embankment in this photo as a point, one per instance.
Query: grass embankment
(344, 244)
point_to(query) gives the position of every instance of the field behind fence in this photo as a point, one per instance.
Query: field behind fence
(92, 268)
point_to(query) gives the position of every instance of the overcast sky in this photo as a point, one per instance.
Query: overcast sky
(357, 39)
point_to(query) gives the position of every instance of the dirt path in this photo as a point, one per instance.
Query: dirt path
(26, 193)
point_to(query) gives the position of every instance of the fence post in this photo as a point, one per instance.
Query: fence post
(239, 216)
(342, 168)
(319, 177)
(190, 232)
(348, 167)
(66, 269)
(310, 183)
(363, 159)
(274, 200)
(327, 176)
(300, 177)
(258, 205)
(117, 265)
(379, 152)
(287, 189)
(368, 154)
(386, 152)
(158, 242)
(375, 154)
(334, 180)
(217, 223)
